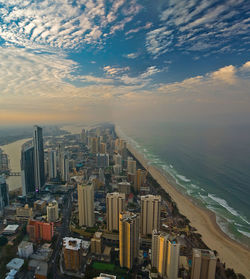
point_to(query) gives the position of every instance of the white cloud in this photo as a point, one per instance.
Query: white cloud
(199, 26)
(114, 70)
(60, 23)
(132, 55)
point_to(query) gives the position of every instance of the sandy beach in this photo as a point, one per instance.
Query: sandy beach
(229, 251)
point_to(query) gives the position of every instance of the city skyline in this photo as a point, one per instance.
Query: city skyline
(96, 60)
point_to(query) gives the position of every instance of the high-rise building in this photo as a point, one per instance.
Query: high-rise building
(103, 148)
(52, 164)
(38, 157)
(173, 259)
(128, 238)
(102, 160)
(63, 163)
(115, 204)
(84, 136)
(4, 193)
(140, 179)
(203, 264)
(52, 211)
(165, 255)
(94, 145)
(72, 253)
(40, 231)
(28, 170)
(118, 159)
(131, 166)
(124, 187)
(86, 205)
(4, 162)
(96, 243)
(150, 214)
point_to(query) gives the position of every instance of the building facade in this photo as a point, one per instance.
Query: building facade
(28, 170)
(52, 211)
(38, 157)
(128, 238)
(115, 204)
(150, 214)
(86, 205)
(203, 264)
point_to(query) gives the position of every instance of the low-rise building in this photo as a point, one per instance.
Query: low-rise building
(15, 263)
(24, 213)
(25, 249)
(10, 229)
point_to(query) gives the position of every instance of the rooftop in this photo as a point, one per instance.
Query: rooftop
(72, 243)
(15, 263)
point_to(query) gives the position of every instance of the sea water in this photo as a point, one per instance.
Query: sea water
(209, 163)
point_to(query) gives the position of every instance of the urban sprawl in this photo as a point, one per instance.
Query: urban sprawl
(89, 209)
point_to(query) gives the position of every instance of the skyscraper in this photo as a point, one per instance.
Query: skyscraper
(86, 205)
(115, 204)
(28, 170)
(4, 193)
(131, 166)
(52, 211)
(150, 214)
(128, 238)
(165, 255)
(38, 157)
(52, 164)
(203, 264)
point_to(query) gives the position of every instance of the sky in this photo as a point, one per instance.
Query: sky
(65, 61)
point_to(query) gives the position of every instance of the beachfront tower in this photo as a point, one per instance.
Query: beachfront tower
(150, 214)
(38, 157)
(131, 166)
(203, 264)
(165, 255)
(115, 204)
(128, 238)
(86, 205)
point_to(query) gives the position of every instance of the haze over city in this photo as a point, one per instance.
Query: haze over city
(67, 61)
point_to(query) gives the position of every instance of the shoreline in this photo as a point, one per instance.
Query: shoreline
(234, 254)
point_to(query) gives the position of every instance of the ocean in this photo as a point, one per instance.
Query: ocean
(208, 163)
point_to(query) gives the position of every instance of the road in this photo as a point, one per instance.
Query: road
(63, 231)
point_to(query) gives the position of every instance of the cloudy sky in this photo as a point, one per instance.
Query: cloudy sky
(92, 60)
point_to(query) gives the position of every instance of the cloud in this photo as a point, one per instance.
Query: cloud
(158, 41)
(144, 27)
(226, 74)
(61, 24)
(132, 55)
(199, 26)
(114, 70)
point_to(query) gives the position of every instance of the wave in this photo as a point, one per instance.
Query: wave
(247, 234)
(183, 178)
(224, 204)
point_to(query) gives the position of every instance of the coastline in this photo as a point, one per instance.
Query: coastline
(234, 254)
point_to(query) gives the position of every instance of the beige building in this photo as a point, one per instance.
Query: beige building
(140, 179)
(52, 211)
(86, 205)
(96, 243)
(165, 255)
(115, 204)
(128, 238)
(103, 148)
(203, 264)
(150, 214)
(94, 145)
(124, 187)
(72, 253)
(131, 166)
(24, 213)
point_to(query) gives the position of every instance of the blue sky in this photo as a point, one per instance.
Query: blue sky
(87, 60)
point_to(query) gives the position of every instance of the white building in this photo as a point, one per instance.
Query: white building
(25, 249)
